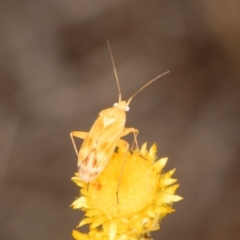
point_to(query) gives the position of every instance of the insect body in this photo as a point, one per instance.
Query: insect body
(99, 143)
(104, 136)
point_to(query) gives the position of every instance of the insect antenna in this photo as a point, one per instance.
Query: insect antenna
(115, 72)
(130, 99)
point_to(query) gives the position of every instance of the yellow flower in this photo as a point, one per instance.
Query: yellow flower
(128, 199)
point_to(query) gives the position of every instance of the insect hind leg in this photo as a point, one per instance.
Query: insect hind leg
(122, 143)
(135, 132)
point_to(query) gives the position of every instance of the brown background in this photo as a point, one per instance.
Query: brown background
(56, 75)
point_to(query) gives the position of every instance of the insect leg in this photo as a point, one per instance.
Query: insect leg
(126, 131)
(77, 134)
(125, 144)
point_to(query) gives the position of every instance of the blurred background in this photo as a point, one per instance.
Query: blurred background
(56, 75)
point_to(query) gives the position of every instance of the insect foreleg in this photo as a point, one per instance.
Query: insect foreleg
(77, 134)
(125, 144)
(126, 131)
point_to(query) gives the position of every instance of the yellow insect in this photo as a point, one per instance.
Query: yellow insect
(104, 136)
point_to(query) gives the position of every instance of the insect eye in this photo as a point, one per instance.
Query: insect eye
(127, 108)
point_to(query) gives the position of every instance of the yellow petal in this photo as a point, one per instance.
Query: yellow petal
(143, 149)
(167, 181)
(78, 236)
(169, 173)
(177, 198)
(80, 203)
(85, 221)
(172, 189)
(151, 214)
(160, 164)
(169, 198)
(162, 210)
(96, 223)
(113, 229)
(153, 150)
(78, 181)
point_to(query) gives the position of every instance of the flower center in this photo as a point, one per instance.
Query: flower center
(127, 185)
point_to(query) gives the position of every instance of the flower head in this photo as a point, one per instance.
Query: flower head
(129, 198)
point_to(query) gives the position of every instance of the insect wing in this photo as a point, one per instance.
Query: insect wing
(114, 121)
(90, 142)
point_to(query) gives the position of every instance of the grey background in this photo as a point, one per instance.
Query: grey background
(56, 75)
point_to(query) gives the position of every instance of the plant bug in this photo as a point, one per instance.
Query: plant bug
(105, 135)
